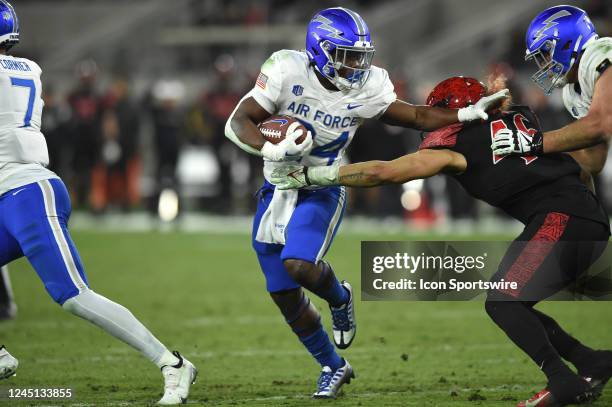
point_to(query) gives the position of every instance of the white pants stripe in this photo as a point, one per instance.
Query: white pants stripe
(332, 224)
(60, 239)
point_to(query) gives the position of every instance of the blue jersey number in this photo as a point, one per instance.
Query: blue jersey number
(26, 83)
(329, 150)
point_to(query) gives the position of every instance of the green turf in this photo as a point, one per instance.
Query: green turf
(204, 295)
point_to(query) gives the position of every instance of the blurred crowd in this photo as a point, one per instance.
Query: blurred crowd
(119, 149)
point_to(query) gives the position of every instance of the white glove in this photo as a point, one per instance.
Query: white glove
(287, 149)
(479, 110)
(506, 142)
(296, 176)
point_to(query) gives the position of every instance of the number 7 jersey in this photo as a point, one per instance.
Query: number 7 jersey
(287, 85)
(23, 149)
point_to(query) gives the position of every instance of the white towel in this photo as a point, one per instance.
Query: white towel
(276, 218)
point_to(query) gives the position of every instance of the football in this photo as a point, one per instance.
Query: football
(275, 128)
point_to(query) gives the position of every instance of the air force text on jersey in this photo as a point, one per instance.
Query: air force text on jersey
(328, 120)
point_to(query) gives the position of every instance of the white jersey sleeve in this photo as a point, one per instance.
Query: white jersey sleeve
(577, 102)
(379, 92)
(589, 69)
(269, 83)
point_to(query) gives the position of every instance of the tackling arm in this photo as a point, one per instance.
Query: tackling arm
(422, 164)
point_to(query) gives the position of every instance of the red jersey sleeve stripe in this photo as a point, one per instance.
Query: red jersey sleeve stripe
(445, 137)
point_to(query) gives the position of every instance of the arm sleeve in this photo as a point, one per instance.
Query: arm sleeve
(268, 85)
(382, 94)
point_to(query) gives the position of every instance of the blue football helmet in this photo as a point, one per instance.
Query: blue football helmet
(554, 41)
(9, 25)
(339, 46)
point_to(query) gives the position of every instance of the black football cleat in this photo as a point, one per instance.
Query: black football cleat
(565, 391)
(599, 372)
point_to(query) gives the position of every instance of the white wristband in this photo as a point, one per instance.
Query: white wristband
(323, 176)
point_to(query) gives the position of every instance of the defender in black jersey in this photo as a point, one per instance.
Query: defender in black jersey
(566, 229)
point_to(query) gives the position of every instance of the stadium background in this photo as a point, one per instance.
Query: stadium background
(137, 101)
(136, 97)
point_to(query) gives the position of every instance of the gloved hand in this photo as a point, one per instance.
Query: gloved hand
(479, 110)
(287, 149)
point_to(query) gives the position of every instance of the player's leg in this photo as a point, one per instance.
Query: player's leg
(8, 308)
(39, 223)
(302, 317)
(309, 235)
(9, 251)
(595, 365)
(541, 261)
(305, 321)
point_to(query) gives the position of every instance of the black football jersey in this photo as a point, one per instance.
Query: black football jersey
(521, 186)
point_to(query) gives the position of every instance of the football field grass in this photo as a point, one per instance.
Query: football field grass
(204, 295)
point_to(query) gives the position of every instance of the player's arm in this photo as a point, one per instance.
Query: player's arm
(422, 164)
(590, 132)
(241, 127)
(594, 128)
(400, 113)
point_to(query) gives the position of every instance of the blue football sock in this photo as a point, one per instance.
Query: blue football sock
(319, 345)
(329, 288)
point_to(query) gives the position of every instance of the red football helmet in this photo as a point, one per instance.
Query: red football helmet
(456, 92)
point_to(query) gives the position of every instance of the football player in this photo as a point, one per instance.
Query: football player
(331, 87)
(34, 212)
(566, 228)
(563, 43)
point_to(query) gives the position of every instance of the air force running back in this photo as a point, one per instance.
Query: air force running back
(23, 150)
(292, 230)
(287, 85)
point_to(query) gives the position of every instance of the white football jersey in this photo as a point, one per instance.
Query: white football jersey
(578, 104)
(23, 149)
(287, 85)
